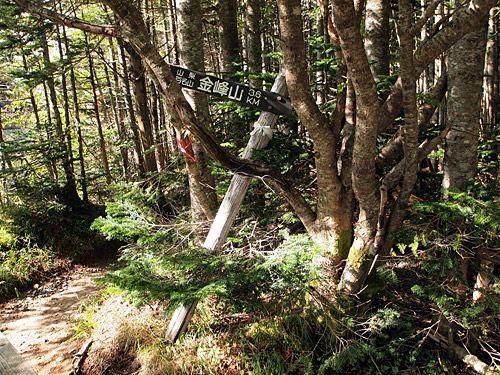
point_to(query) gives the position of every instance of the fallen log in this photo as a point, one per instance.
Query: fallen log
(466, 357)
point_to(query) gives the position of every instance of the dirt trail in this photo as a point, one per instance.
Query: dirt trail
(40, 325)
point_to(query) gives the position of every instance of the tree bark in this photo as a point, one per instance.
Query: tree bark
(377, 36)
(490, 95)
(465, 72)
(138, 156)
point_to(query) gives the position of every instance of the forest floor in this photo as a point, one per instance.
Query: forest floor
(41, 324)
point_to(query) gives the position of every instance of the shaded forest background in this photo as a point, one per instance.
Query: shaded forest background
(368, 238)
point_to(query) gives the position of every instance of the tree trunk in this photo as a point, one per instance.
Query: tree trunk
(377, 36)
(102, 141)
(465, 72)
(490, 96)
(67, 118)
(228, 36)
(254, 48)
(117, 111)
(70, 194)
(76, 106)
(138, 75)
(201, 181)
(229, 207)
(138, 157)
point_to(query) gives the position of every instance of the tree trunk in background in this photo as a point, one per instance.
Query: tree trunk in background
(67, 119)
(490, 95)
(228, 36)
(320, 74)
(76, 107)
(137, 72)
(377, 36)
(254, 48)
(201, 181)
(117, 111)
(70, 192)
(136, 138)
(173, 29)
(465, 72)
(102, 141)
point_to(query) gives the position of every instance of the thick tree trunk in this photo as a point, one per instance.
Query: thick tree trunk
(465, 72)
(331, 224)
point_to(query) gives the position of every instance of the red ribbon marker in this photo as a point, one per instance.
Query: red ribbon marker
(182, 148)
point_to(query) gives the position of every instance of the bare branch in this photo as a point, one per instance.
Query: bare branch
(429, 12)
(63, 20)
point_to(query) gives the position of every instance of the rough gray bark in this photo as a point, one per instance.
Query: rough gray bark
(465, 71)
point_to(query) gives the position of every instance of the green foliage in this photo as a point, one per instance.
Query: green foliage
(33, 239)
(440, 235)
(157, 271)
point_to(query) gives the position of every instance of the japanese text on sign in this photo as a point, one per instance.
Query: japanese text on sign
(263, 100)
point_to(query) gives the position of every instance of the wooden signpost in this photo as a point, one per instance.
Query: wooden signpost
(260, 137)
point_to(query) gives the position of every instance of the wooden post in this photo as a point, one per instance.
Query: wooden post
(260, 137)
(11, 362)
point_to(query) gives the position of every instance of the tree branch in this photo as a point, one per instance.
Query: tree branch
(60, 19)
